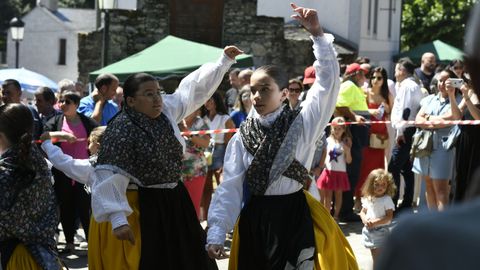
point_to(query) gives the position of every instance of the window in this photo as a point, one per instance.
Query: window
(62, 52)
(375, 17)
(369, 26)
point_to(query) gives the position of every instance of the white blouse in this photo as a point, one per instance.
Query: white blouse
(109, 201)
(76, 169)
(218, 122)
(316, 112)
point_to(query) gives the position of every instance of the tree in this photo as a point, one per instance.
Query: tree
(426, 20)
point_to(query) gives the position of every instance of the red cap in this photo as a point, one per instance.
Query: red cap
(355, 67)
(309, 75)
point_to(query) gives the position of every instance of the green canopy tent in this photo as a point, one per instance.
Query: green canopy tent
(443, 52)
(171, 56)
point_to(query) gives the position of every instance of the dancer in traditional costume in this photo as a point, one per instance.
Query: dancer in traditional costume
(139, 171)
(280, 226)
(28, 209)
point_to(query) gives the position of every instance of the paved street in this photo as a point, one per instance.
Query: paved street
(352, 231)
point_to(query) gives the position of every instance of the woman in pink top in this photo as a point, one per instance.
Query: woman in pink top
(71, 195)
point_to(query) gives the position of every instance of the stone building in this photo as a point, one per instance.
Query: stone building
(216, 22)
(50, 42)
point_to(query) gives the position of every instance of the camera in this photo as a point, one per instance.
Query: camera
(457, 83)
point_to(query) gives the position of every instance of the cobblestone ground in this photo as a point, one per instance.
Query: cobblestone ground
(352, 231)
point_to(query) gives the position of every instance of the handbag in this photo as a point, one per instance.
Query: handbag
(422, 143)
(378, 141)
(452, 138)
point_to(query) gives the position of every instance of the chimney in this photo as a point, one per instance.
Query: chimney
(52, 5)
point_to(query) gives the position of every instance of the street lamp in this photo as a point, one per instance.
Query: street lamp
(17, 27)
(105, 6)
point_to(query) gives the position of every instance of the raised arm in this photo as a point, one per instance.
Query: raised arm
(321, 98)
(195, 89)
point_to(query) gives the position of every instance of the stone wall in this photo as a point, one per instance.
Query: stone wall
(266, 38)
(130, 32)
(260, 36)
(89, 53)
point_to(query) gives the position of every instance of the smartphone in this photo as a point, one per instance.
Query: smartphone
(457, 83)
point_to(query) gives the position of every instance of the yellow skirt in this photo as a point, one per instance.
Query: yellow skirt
(333, 250)
(105, 251)
(21, 259)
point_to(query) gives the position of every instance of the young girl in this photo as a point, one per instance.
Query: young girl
(28, 208)
(280, 225)
(377, 209)
(141, 156)
(334, 178)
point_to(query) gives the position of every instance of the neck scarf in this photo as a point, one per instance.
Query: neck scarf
(264, 143)
(143, 149)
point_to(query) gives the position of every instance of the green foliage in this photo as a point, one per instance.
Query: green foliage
(427, 20)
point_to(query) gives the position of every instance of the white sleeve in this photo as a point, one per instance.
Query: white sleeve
(321, 98)
(76, 169)
(109, 199)
(195, 89)
(400, 104)
(388, 202)
(227, 201)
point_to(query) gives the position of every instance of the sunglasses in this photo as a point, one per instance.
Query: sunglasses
(296, 90)
(457, 67)
(377, 78)
(66, 101)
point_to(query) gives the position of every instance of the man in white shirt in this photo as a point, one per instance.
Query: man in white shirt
(405, 107)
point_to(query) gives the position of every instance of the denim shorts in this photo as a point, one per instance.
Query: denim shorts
(217, 157)
(375, 237)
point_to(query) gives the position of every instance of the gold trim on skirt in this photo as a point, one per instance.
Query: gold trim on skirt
(22, 259)
(105, 251)
(333, 250)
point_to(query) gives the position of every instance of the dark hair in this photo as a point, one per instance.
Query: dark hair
(12, 82)
(104, 79)
(73, 96)
(384, 92)
(133, 82)
(407, 64)
(277, 74)
(46, 93)
(362, 60)
(454, 62)
(16, 122)
(220, 107)
(234, 71)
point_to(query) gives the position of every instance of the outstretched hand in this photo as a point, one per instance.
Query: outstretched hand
(232, 52)
(308, 18)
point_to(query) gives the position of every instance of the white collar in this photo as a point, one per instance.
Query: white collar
(266, 120)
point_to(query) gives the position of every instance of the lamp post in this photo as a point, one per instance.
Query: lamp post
(105, 6)
(17, 27)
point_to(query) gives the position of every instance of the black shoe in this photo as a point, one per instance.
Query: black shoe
(350, 217)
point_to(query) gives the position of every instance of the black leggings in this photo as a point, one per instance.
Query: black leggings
(73, 200)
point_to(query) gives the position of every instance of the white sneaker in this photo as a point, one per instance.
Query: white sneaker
(83, 245)
(79, 238)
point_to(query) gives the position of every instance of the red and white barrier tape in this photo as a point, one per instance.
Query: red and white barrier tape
(54, 140)
(443, 122)
(233, 130)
